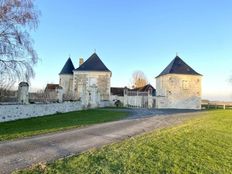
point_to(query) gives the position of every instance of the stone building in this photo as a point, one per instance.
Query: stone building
(178, 86)
(90, 81)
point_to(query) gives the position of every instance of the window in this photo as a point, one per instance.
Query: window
(172, 81)
(92, 81)
(185, 84)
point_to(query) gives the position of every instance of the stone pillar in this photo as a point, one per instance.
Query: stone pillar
(84, 99)
(81, 61)
(60, 93)
(138, 101)
(150, 100)
(23, 93)
(125, 102)
(98, 98)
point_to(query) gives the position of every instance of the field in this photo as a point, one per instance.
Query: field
(40, 125)
(200, 145)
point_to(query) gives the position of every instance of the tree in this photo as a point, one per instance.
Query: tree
(17, 55)
(139, 79)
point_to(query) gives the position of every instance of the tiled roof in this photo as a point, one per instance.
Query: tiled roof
(117, 91)
(146, 88)
(52, 87)
(93, 63)
(178, 66)
(68, 67)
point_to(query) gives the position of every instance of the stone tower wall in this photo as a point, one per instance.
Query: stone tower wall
(66, 82)
(178, 91)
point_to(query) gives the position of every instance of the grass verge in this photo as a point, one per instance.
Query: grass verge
(201, 145)
(46, 124)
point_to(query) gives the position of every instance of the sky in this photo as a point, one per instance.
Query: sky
(130, 35)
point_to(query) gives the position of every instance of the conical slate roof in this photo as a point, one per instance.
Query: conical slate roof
(178, 66)
(93, 63)
(68, 67)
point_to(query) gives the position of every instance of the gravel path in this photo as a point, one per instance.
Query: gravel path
(23, 153)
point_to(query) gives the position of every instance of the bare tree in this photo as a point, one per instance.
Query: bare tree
(139, 79)
(17, 55)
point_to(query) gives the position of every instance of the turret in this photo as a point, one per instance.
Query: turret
(66, 77)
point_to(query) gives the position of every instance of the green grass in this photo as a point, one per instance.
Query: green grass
(201, 145)
(39, 125)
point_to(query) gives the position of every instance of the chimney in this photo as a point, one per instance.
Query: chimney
(81, 61)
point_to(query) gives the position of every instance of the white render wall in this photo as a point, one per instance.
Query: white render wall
(178, 91)
(134, 101)
(14, 112)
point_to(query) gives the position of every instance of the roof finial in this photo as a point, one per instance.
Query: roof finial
(69, 55)
(176, 54)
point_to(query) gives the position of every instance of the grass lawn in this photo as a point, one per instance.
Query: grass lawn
(51, 123)
(200, 145)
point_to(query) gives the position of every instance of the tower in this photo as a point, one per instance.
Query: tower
(178, 86)
(66, 77)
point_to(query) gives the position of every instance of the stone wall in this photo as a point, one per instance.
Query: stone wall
(14, 112)
(84, 80)
(178, 91)
(104, 104)
(103, 83)
(66, 82)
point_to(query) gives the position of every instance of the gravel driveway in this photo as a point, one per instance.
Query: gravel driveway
(23, 153)
(136, 113)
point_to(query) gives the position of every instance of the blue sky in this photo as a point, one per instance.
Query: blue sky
(131, 35)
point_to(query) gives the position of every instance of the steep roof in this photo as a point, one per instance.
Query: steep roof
(51, 87)
(146, 88)
(178, 66)
(93, 63)
(68, 67)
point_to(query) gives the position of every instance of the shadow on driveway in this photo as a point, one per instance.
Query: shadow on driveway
(136, 113)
